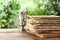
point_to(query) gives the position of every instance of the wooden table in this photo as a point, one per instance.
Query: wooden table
(22, 36)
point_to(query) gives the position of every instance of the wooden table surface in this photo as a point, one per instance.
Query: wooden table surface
(22, 36)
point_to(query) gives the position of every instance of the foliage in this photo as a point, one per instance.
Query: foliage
(41, 7)
(8, 13)
(56, 5)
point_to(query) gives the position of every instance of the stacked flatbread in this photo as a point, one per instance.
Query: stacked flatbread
(44, 25)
